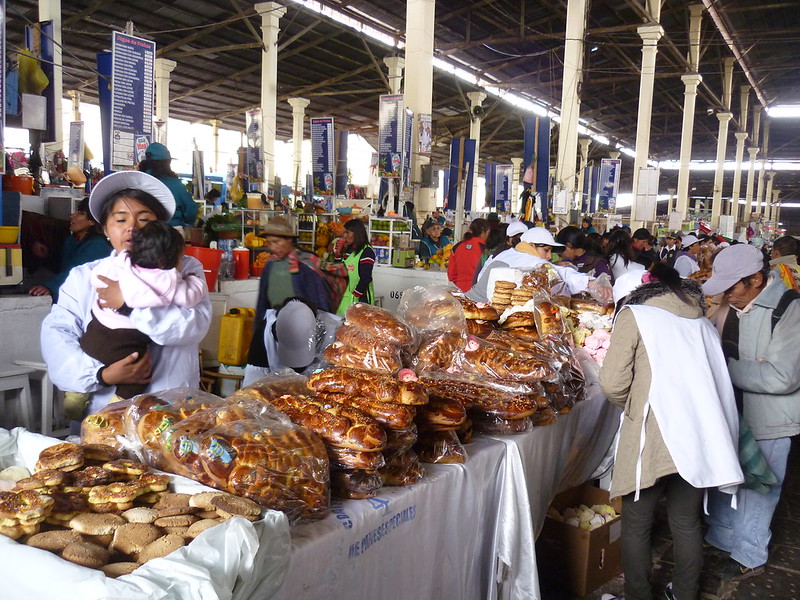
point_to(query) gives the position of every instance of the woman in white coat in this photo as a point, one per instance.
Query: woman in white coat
(121, 203)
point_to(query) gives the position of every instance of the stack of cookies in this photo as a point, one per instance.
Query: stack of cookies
(521, 295)
(501, 296)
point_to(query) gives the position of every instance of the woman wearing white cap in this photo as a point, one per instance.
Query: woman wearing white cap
(535, 248)
(121, 203)
(686, 258)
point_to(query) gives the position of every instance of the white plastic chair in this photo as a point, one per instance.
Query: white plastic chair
(51, 399)
(14, 378)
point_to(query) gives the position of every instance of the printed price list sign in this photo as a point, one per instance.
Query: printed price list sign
(322, 155)
(132, 86)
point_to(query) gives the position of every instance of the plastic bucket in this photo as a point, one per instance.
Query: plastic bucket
(241, 263)
(211, 259)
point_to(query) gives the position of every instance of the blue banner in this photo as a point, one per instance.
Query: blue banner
(322, 155)
(104, 61)
(608, 184)
(501, 187)
(341, 163)
(390, 136)
(461, 173)
(132, 89)
(408, 124)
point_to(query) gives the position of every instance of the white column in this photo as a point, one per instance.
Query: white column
(50, 10)
(650, 35)
(690, 81)
(476, 100)
(75, 95)
(775, 194)
(770, 179)
(515, 177)
(298, 118)
(584, 144)
(215, 123)
(670, 201)
(740, 136)
(395, 64)
(722, 148)
(761, 201)
(163, 75)
(570, 99)
(748, 199)
(418, 84)
(270, 12)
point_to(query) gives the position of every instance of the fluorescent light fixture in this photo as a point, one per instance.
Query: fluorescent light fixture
(784, 111)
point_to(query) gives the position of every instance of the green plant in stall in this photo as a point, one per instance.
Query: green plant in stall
(220, 222)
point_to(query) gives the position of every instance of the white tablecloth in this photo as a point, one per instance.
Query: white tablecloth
(466, 531)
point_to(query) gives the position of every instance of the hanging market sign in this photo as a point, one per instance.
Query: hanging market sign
(132, 88)
(322, 155)
(391, 136)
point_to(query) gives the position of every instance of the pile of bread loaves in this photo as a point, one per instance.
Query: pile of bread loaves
(94, 509)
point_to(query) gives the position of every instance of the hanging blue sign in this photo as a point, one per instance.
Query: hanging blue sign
(391, 136)
(501, 187)
(461, 173)
(408, 123)
(608, 184)
(322, 155)
(132, 88)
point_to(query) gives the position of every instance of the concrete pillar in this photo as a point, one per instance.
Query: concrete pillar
(515, 177)
(690, 81)
(763, 201)
(50, 10)
(670, 201)
(748, 199)
(744, 107)
(298, 117)
(722, 148)
(613, 155)
(75, 95)
(770, 179)
(215, 123)
(270, 12)
(418, 85)
(476, 99)
(775, 194)
(570, 99)
(163, 74)
(584, 144)
(395, 64)
(650, 35)
(740, 136)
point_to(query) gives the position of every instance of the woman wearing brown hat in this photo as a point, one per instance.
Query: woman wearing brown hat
(289, 273)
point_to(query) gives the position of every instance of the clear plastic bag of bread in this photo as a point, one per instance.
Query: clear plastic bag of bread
(380, 324)
(273, 386)
(342, 355)
(432, 309)
(440, 447)
(150, 415)
(402, 468)
(437, 350)
(355, 484)
(548, 316)
(491, 423)
(490, 360)
(539, 279)
(107, 426)
(508, 399)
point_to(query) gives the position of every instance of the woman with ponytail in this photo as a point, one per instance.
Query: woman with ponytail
(466, 255)
(679, 428)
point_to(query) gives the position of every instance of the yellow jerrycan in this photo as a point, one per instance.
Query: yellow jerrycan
(235, 333)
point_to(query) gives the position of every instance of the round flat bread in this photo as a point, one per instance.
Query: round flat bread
(96, 523)
(54, 541)
(86, 554)
(117, 569)
(161, 547)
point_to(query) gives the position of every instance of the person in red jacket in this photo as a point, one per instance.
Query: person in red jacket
(466, 255)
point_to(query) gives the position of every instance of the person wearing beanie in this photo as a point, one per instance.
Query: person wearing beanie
(586, 225)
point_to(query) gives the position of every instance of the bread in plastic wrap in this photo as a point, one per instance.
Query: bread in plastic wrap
(431, 309)
(346, 356)
(440, 447)
(355, 483)
(376, 386)
(491, 424)
(402, 469)
(357, 338)
(241, 446)
(441, 413)
(399, 440)
(105, 425)
(388, 414)
(437, 351)
(345, 458)
(379, 323)
(484, 358)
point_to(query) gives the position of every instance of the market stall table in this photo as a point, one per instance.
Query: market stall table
(465, 531)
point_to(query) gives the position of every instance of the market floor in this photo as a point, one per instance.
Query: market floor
(781, 580)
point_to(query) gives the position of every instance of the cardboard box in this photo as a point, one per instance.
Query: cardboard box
(574, 558)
